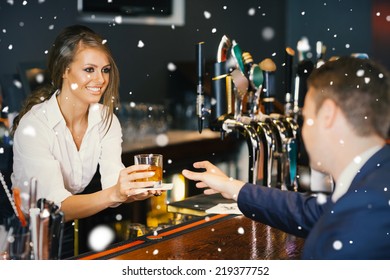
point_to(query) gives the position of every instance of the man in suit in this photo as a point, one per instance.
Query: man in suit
(346, 124)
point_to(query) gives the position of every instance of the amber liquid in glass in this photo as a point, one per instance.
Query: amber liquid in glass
(156, 177)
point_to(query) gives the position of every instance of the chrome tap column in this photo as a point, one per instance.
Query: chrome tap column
(241, 88)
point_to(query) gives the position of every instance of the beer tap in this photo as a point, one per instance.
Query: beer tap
(291, 149)
(289, 106)
(320, 51)
(221, 81)
(200, 74)
(240, 91)
(304, 68)
(268, 67)
(267, 149)
(255, 119)
(256, 78)
(239, 122)
(252, 139)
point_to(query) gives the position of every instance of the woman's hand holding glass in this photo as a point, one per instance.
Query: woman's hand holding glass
(128, 182)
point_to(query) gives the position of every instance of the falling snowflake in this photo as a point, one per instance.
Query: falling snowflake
(251, 12)
(171, 66)
(162, 140)
(337, 245)
(241, 230)
(360, 73)
(95, 107)
(140, 44)
(100, 237)
(321, 199)
(155, 252)
(40, 78)
(74, 86)
(310, 122)
(207, 14)
(268, 33)
(214, 30)
(357, 159)
(29, 131)
(118, 19)
(17, 83)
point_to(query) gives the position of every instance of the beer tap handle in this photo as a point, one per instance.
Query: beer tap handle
(269, 67)
(200, 75)
(288, 108)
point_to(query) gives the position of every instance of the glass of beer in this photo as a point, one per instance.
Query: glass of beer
(156, 165)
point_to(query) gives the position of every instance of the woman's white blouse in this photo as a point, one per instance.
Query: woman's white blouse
(44, 148)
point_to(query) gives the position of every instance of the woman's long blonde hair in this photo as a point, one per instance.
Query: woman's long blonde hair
(60, 57)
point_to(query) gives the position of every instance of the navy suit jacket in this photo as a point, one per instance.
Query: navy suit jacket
(357, 226)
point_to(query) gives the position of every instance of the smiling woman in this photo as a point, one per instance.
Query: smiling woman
(84, 82)
(67, 129)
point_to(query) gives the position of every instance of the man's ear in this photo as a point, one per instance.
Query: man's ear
(327, 113)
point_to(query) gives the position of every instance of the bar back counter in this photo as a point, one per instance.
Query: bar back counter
(214, 237)
(180, 150)
(193, 234)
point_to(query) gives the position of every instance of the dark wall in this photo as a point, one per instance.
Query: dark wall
(343, 26)
(31, 28)
(144, 71)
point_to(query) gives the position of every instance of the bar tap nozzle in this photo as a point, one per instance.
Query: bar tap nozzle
(266, 150)
(252, 139)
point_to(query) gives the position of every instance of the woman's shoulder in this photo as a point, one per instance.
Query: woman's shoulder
(42, 114)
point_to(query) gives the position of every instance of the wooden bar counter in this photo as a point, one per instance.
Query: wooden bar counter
(214, 237)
